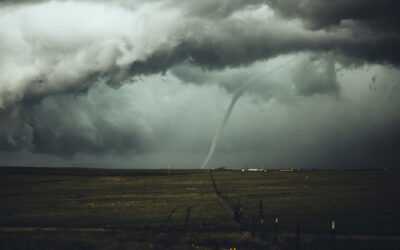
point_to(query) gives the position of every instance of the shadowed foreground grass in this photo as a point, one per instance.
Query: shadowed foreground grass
(49, 208)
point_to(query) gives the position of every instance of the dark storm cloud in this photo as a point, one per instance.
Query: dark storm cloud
(66, 134)
(376, 149)
(320, 77)
(52, 50)
(244, 36)
(320, 14)
(93, 124)
(125, 121)
(13, 134)
(376, 21)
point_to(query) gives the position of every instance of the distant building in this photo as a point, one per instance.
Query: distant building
(287, 170)
(255, 170)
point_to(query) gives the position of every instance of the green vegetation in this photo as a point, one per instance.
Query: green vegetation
(71, 208)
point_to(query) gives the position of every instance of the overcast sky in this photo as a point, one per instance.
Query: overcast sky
(146, 84)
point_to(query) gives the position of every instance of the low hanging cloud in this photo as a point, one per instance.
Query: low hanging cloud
(54, 52)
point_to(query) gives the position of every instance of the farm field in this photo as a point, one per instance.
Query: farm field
(72, 208)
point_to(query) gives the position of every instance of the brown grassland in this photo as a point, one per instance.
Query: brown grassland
(72, 208)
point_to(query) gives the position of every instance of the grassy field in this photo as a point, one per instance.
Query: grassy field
(71, 208)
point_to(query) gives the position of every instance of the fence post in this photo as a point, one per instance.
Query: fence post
(241, 218)
(276, 229)
(333, 227)
(253, 229)
(261, 221)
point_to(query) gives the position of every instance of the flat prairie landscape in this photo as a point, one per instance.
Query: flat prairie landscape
(73, 208)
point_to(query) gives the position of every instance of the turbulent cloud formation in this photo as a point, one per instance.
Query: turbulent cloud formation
(318, 14)
(373, 24)
(70, 71)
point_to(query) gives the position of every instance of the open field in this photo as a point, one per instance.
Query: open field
(68, 208)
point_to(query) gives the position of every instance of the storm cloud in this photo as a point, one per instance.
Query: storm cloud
(85, 77)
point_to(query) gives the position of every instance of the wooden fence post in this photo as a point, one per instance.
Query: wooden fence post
(333, 227)
(261, 221)
(276, 229)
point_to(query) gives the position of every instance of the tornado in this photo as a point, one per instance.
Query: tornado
(238, 93)
(225, 119)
